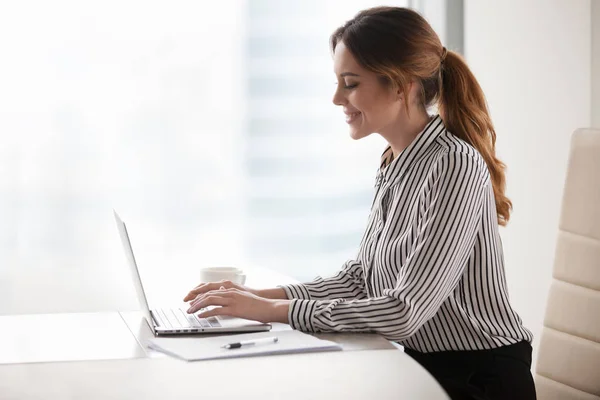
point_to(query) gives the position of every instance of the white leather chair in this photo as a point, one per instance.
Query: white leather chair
(568, 365)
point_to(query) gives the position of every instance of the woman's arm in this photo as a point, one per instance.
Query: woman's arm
(348, 283)
(273, 305)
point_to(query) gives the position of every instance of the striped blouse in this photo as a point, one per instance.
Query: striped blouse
(430, 269)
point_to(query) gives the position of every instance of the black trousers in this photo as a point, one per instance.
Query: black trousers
(501, 373)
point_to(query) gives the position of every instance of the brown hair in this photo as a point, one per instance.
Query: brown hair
(399, 45)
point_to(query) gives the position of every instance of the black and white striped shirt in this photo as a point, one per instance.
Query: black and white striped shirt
(430, 270)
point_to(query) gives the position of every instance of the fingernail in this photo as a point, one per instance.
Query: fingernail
(189, 310)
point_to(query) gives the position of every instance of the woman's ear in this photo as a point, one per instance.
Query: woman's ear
(400, 95)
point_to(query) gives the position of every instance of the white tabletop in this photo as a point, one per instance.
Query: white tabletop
(65, 337)
(381, 374)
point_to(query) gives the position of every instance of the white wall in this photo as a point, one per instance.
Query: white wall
(125, 104)
(533, 60)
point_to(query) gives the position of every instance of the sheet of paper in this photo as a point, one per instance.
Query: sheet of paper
(210, 348)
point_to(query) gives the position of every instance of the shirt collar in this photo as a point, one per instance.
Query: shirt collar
(392, 170)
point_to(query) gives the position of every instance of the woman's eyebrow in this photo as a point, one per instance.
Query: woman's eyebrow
(343, 74)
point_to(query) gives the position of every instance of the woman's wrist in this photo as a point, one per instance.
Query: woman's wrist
(280, 310)
(274, 293)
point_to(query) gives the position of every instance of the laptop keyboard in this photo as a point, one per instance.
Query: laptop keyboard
(178, 319)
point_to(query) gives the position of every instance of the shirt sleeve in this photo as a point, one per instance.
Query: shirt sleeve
(348, 283)
(450, 210)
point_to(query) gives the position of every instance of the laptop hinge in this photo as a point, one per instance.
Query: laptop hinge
(154, 318)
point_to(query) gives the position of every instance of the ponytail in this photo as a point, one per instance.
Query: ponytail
(464, 111)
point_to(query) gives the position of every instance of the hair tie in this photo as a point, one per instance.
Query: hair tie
(443, 58)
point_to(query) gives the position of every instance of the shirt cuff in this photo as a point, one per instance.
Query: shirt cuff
(296, 291)
(301, 315)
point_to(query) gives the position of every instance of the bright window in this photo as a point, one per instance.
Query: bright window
(208, 125)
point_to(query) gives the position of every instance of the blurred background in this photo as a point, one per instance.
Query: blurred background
(209, 127)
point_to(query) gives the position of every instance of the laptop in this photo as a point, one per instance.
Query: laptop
(176, 321)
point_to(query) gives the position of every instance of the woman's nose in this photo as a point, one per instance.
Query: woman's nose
(338, 98)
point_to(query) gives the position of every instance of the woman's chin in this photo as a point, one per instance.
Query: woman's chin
(357, 133)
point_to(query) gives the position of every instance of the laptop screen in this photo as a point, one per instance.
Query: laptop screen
(135, 274)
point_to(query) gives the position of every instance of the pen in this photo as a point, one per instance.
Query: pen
(246, 343)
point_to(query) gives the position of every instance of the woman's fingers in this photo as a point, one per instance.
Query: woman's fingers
(203, 295)
(207, 301)
(214, 312)
(195, 291)
(203, 288)
(207, 287)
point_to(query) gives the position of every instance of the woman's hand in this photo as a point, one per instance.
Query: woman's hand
(207, 287)
(242, 304)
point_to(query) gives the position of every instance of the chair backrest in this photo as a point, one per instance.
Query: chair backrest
(568, 365)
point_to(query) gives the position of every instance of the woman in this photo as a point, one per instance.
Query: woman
(430, 270)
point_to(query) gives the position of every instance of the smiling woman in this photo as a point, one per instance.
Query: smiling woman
(429, 272)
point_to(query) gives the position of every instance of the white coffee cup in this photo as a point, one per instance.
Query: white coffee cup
(216, 274)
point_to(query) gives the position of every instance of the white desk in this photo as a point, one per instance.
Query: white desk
(100, 356)
(381, 374)
(65, 337)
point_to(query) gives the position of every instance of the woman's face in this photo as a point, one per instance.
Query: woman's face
(369, 104)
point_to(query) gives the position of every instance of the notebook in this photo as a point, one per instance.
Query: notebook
(210, 348)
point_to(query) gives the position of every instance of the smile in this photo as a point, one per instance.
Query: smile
(352, 116)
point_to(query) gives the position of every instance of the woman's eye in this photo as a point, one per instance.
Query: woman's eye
(350, 86)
